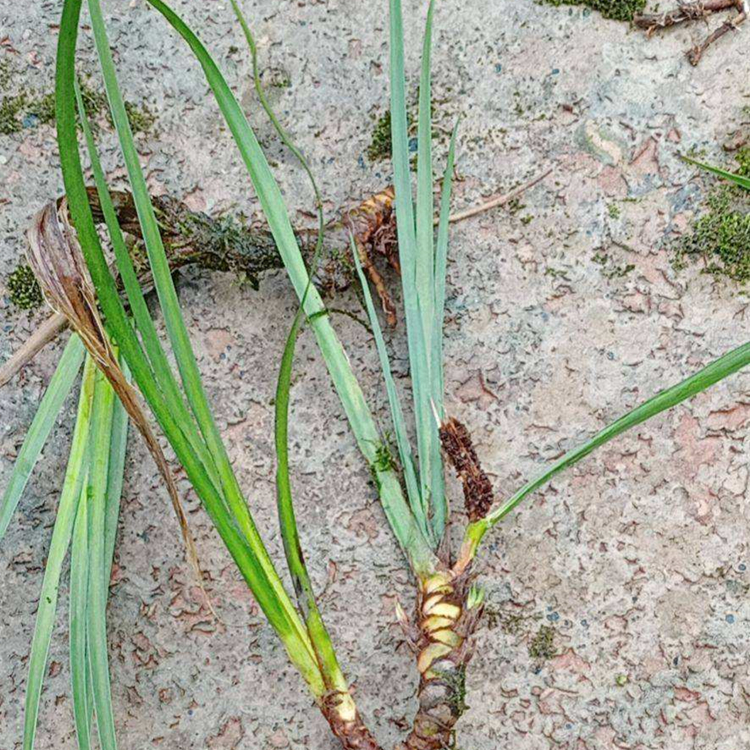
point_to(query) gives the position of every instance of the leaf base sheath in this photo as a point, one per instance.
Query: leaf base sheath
(445, 629)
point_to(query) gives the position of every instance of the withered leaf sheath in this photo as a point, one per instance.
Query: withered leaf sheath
(58, 263)
(458, 447)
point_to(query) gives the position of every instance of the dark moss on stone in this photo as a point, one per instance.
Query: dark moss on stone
(381, 146)
(23, 289)
(141, 118)
(617, 10)
(11, 108)
(542, 646)
(27, 109)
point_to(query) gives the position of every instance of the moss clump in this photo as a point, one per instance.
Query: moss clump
(6, 74)
(743, 161)
(11, 108)
(612, 270)
(381, 146)
(542, 646)
(42, 108)
(455, 680)
(94, 100)
(141, 118)
(458, 691)
(27, 109)
(720, 237)
(617, 10)
(24, 289)
(276, 78)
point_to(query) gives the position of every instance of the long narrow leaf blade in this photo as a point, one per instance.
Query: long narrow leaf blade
(163, 283)
(79, 588)
(116, 474)
(272, 202)
(430, 458)
(737, 179)
(80, 570)
(157, 357)
(397, 415)
(409, 259)
(441, 270)
(307, 603)
(254, 564)
(719, 369)
(425, 261)
(52, 402)
(61, 535)
(440, 502)
(98, 584)
(176, 327)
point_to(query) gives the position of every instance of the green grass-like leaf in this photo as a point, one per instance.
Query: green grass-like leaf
(719, 369)
(397, 415)
(52, 402)
(430, 456)
(306, 601)
(153, 349)
(80, 570)
(80, 676)
(325, 652)
(738, 179)
(272, 203)
(224, 503)
(408, 258)
(177, 329)
(98, 582)
(441, 270)
(66, 512)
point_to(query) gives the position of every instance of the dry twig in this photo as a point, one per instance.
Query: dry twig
(699, 10)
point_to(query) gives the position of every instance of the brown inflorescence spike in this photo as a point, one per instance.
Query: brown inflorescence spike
(458, 446)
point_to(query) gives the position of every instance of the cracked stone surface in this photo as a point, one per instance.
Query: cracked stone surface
(562, 313)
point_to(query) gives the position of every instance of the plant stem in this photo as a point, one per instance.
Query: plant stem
(445, 627)
(195, 238)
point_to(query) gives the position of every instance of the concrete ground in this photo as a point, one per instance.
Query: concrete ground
(562, 313)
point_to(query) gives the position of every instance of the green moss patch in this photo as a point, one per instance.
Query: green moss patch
(617, 10)
(141, 118)
(28, 109)
(381, 146)
(542, 646)
(10, 114)
(720, 236)
(23, 289)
